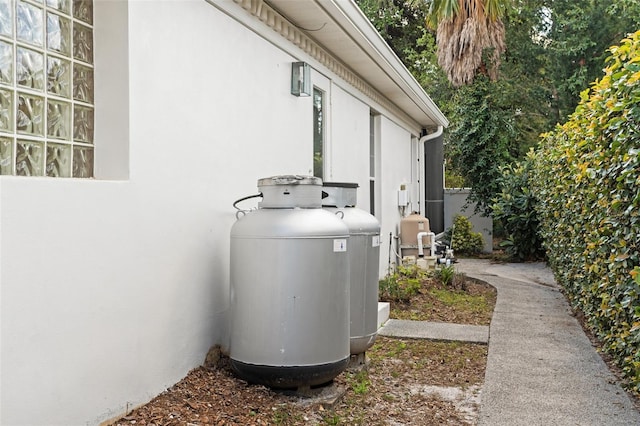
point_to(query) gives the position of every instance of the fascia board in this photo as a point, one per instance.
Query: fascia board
(351, 19)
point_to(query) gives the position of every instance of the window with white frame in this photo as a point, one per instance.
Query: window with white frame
(372, 164)
(46, 88)
(318, 132)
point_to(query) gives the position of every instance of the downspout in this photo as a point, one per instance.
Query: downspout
(430, 136)
(421, 143)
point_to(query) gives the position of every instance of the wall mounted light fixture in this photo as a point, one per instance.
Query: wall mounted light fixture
(300, 79)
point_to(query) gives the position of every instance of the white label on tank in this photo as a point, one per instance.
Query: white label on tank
(375, 241)
(340, 245)
(420, 226)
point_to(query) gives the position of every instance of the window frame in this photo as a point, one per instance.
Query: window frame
(319, 131)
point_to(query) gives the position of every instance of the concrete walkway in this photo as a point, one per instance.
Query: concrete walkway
(541, 368)
(435, 331)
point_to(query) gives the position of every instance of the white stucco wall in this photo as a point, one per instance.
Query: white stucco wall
(395, 169)
(349, 134)
(112, 289)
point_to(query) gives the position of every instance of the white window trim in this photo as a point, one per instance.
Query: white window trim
(322, 83)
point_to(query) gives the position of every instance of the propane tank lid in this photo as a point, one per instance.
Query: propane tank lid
(289, 180)
(339, 194)
(290, 191)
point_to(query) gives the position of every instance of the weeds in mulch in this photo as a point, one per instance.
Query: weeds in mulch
(441, 295)
(401, 382)
(406, 382)
(409, 382)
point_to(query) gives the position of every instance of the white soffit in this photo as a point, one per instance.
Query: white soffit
(341, 28)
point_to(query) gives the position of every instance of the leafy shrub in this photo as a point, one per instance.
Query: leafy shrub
(484, 134)
(453, 179)
(401, 285)
(445, 275)
(461, 237)
(514, 209)
(587, 182)
(448, 276)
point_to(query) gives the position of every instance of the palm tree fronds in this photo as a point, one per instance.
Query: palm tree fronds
(440, 10)
(494, 9)
(471, 40)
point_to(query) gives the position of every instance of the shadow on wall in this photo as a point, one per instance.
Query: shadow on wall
(455, 202)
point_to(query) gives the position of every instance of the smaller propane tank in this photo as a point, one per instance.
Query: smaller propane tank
(364, 257)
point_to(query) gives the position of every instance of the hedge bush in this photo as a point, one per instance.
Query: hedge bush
(514, 209)
(461, 237)
(587, 183)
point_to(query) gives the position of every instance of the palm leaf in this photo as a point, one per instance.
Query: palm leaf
(467, 30)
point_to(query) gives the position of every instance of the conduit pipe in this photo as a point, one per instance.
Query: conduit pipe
(433, 243)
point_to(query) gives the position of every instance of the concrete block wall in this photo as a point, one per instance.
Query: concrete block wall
(455, 202)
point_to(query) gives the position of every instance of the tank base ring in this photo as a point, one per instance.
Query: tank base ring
(289, 377)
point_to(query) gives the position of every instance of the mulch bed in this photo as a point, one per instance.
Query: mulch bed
(408, 382)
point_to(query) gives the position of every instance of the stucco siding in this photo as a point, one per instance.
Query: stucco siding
(394, 170)
(349, 157)
(113, 288)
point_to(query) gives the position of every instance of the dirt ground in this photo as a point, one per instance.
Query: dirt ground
(472, 303)
(405, 382)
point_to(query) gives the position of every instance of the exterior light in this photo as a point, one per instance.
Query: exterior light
(300, 79)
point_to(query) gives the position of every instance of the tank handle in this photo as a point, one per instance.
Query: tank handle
(235, 204)
(341, 214)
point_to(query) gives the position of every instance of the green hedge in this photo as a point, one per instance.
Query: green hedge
(514, 210)
(587, 182)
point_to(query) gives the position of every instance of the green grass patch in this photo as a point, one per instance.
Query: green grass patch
(460, 299)
(435, 302)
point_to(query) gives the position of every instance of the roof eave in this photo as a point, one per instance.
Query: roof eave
(370, 40)
(342, 29)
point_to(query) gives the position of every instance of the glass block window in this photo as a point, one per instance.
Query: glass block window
(46, 88)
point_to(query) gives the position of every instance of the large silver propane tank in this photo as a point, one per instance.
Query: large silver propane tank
(364, 259)
(289, 312)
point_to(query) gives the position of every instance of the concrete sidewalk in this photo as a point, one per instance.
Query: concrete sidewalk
(542, 369)
(435, 331)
